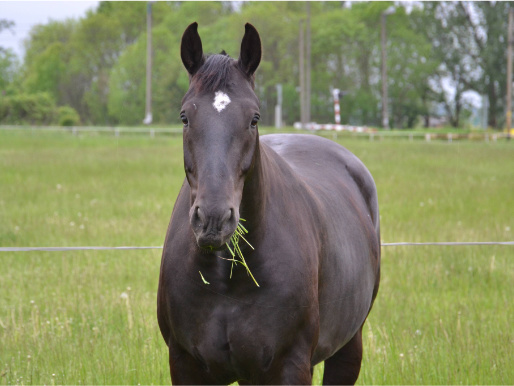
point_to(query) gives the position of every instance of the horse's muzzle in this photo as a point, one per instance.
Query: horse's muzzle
(213, 228)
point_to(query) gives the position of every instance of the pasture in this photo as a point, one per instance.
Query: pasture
(443, 315)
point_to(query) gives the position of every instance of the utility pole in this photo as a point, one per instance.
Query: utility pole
(301, 50)
(278, 108)
(385, 112)
(308, 65)
(509, 72)
(148, 109)
(383, 45)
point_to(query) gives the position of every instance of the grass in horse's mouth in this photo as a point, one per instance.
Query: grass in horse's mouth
(234, 239)
(235, 251)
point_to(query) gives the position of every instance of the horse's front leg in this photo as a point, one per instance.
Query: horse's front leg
(295, 373)
(294, 369)
(185, 369)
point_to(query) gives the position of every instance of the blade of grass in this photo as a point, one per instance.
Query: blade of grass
(234, 239)
(204, 281)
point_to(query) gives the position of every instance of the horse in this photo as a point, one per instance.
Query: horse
(313, 244)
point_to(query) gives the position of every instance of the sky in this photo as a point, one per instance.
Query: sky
(26, 14)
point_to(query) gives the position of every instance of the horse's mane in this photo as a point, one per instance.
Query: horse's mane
(213, 75)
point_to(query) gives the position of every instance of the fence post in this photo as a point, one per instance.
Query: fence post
(371, 137)
(411, 138)
(427, 137)
(450, 138)
(152, 133)
(116, 132)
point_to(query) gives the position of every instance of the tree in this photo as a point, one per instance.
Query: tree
(469, 40)
(8, 61)
(46, 62)
(410, 67)
(97, 64)
(343, 46)
(489, 33)
(8, 68)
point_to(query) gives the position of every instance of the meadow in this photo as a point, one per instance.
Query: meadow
(443, 315)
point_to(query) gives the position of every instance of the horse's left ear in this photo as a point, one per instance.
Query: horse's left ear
(251, 50)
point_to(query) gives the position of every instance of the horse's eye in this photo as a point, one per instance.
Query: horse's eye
(254, 122)
(184, 120)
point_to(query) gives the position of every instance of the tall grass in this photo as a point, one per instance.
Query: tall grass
(443, 314)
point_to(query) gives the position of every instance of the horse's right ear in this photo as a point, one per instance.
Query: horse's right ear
(251, 50)
(191, 50)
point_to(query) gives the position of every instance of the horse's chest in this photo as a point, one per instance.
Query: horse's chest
(224, 339)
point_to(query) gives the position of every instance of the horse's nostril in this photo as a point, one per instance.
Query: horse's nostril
(229, 216)
(197, 218)
(199, 214)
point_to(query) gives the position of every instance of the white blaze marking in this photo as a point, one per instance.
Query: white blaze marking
(221, 100)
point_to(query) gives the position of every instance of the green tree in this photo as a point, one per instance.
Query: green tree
(489, 34)
(469, 41)
(8, 61)
(46, 62)
(278, 24)
(126, 102)
(8, 67)
(343, 46)
(410, 67)
(97, 64)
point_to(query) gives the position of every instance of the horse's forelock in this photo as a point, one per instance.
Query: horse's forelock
(214, 74)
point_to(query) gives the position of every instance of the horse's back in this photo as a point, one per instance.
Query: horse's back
(324, 164)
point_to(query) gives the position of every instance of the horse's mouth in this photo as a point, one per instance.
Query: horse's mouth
(212, 242)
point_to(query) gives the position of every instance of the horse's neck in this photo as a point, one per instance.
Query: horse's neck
(254, 196)
(257, 193)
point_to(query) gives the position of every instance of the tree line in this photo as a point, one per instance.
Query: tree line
(92, 70)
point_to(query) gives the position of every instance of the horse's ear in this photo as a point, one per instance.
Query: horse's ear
(191, 49)
(251, 50)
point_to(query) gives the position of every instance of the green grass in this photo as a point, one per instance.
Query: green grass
(443, 314)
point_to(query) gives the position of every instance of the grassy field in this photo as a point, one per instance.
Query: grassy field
(444, 315)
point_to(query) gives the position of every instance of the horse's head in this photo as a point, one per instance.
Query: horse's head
(220, 112)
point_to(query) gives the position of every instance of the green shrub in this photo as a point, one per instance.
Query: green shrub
(67, 116)
(35, 109)
(27, 109)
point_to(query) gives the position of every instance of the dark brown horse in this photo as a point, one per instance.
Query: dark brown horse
(312, 214)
